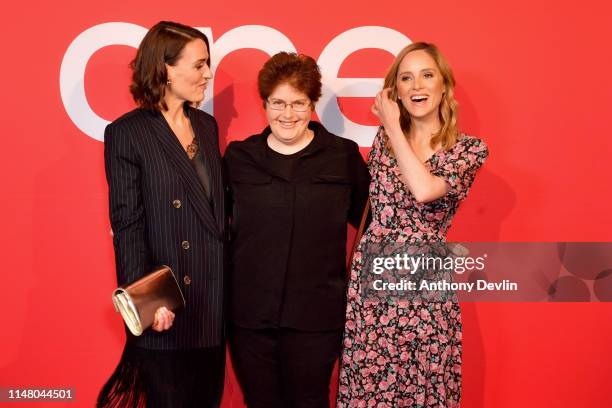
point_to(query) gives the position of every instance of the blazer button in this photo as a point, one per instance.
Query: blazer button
(187, 280)
(185, 244)
(177, 203)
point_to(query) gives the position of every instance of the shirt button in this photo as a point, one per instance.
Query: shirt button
(187, 280)
(177, 203)
(185, 244)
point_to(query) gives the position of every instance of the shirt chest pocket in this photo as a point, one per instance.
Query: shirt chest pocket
(329, 191)
(252, 191)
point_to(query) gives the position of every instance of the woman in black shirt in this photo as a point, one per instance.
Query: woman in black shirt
(294, 186)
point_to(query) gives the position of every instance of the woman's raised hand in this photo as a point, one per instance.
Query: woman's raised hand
(386, 109)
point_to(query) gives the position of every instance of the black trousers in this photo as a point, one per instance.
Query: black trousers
(166, 379)
(284, 367)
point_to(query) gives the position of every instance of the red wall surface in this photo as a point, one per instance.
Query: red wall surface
(533, 82)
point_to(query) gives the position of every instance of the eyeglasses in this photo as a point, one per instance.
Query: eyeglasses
(297, 106)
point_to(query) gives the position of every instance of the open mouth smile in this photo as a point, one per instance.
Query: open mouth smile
(419, 99)
(287, 124)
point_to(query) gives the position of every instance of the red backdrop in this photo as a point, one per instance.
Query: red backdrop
(532, 81)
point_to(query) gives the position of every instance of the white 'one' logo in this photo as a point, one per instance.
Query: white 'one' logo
(266, 39)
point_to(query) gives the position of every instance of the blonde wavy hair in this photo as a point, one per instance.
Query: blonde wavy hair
(448, 133)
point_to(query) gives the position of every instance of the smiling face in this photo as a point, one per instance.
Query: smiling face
(189, 76)
(288, 126)
(420, 85)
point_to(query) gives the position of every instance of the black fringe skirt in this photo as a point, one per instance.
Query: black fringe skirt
(165, 378)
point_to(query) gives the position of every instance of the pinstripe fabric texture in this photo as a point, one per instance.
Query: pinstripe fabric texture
(160, 216)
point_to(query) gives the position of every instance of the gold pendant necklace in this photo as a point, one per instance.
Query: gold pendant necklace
(192, 149)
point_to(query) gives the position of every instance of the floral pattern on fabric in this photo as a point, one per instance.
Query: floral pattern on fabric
(406, 353)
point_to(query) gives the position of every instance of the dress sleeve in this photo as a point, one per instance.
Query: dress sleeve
(378, 143)
(460, 165)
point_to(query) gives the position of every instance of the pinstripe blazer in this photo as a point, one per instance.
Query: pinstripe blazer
(160, 215)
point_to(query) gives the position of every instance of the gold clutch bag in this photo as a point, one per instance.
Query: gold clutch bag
(138, 301)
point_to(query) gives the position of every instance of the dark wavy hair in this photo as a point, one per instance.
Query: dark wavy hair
(299, 70)
(162, 45)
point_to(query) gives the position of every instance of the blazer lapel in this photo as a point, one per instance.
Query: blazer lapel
(207, 133)
(184, 168)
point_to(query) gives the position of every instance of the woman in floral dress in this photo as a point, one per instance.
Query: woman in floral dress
(407, 353)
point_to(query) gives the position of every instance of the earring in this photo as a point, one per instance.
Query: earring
(168, 82)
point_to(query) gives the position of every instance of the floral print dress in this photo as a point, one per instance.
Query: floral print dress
(406, 353)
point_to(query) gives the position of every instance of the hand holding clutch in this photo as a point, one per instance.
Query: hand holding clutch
(149, 301)
(163, 319)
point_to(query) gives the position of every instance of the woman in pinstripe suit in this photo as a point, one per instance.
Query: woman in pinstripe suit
(166, 196)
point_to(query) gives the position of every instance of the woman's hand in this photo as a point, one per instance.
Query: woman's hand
(386, 110)
(163, 319)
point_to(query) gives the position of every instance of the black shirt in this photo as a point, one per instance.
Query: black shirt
(284, 164)
(289, 228)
